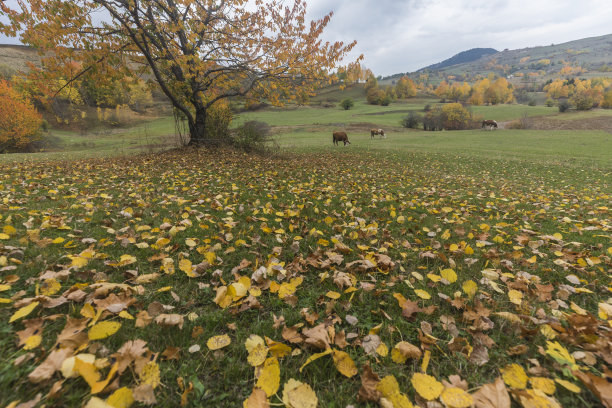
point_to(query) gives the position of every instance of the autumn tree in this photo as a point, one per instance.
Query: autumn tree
(198, 51)
(405, 88)
(19, 121)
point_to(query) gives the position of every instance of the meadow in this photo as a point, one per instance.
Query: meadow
(463, 268)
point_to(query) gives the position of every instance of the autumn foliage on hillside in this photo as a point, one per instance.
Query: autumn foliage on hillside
(485, 91)
(19, 121)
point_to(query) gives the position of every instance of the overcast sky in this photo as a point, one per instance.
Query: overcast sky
(405, 35)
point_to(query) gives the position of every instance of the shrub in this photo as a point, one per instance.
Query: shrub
(427, 108)
(456, 117)
(347, 104)
(20, 123)
(564, 106)
(412, 121)
(252, 136)
(607, 100)
(374, 96)
(386, 100)
(532, 102)
(584, 100)
(550, 103)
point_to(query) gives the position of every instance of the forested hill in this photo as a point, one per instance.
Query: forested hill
(463, 57)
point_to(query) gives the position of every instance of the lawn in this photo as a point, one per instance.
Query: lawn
(424, 265)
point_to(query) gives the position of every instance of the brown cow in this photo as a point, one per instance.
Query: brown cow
(341, 137)
(380, 132)
(491, 124)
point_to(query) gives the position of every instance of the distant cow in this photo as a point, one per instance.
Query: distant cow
(491, 124)
(341, 137)
(375, 132)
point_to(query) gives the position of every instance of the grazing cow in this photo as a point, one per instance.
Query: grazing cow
(380, 132)
(341, 137)
(491, 124)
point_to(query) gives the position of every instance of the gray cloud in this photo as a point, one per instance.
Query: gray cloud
(405, 35)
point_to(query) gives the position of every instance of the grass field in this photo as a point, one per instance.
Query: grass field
(213, 277)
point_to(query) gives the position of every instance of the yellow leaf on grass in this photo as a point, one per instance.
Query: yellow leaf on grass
(185, 266)
(88, 311)
(90, 374)
(218, 342)
(269, 378)
(121, 398)
(314, 357)
(568, 385)
(332, 295)
(426, 386)
(257, 399)
(4, 236)
(454, 397)
(389, 389)
(150, 374)
(23, 312)
(560, 354)
(253, 341)
(50, 287)
(422, 294)
(449, 274)
(344, 363)
(258, 355)
(299, 395)
(515, 296)
(546, 385)
(514, 376)
(470, 287)
(382, 350)
(103, 330)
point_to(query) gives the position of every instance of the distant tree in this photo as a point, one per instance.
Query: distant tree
(456, 117)
(20, 123)
(412, 121)
(405, 88)
(607, 100)
(347, 104)
(198, 51)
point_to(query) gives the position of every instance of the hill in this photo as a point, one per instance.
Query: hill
(463, 57)
(16, 57)
(589, 55)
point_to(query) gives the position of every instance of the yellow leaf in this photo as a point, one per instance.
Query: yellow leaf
(218, 342)
(515, 296)
(258, 355)
(252, 342)
(23, 312)
(470, 287)
(546, 385)
(568, 385)
(389, 389)
(426, 386)
(121, 398)
(468, 250)
(57, 240)
(124, 314)
(78, 261)
(532, 260)
(560, 354)
(269, 378)
(4, 236)
(382, 350)
(9, 229)
(257, 399)
(50, 287)
(150, 374)
(299, 395)
(314, 357)
(88, 311)
(449, 275)
(185, 266)
(453, 247)
(514, 376)
(332, 295)
(344, 363)
(32, 342)
(403, 351)
(103, 330)
(455, 397)
(422, 294)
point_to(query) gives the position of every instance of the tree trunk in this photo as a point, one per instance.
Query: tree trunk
(197, 130)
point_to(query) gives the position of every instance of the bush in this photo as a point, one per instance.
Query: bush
(564, 106)
(386, 100)
(20, 123)
(252, 136)
(532, 102)
(456, 117)
(550, 103)
(607, 100)
(218, 119)
(427, 108)
(347, 104)
(412, 121)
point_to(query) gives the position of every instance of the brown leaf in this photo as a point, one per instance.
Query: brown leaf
(170, 320)
(73, 335)
(369, 381)
(480, 355)
(172, 353)
(493, 395)
(370, 343)
(317, 337)
(598, 386)
(144, 393)
(292, 335)
(52, 363)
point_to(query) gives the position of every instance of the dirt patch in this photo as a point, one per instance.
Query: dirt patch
(551, 123)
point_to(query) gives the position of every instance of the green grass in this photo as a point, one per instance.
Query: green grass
(500, 194)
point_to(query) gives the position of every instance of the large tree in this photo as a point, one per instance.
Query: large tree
(198, 51)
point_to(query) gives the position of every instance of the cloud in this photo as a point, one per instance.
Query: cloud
(402, 36)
